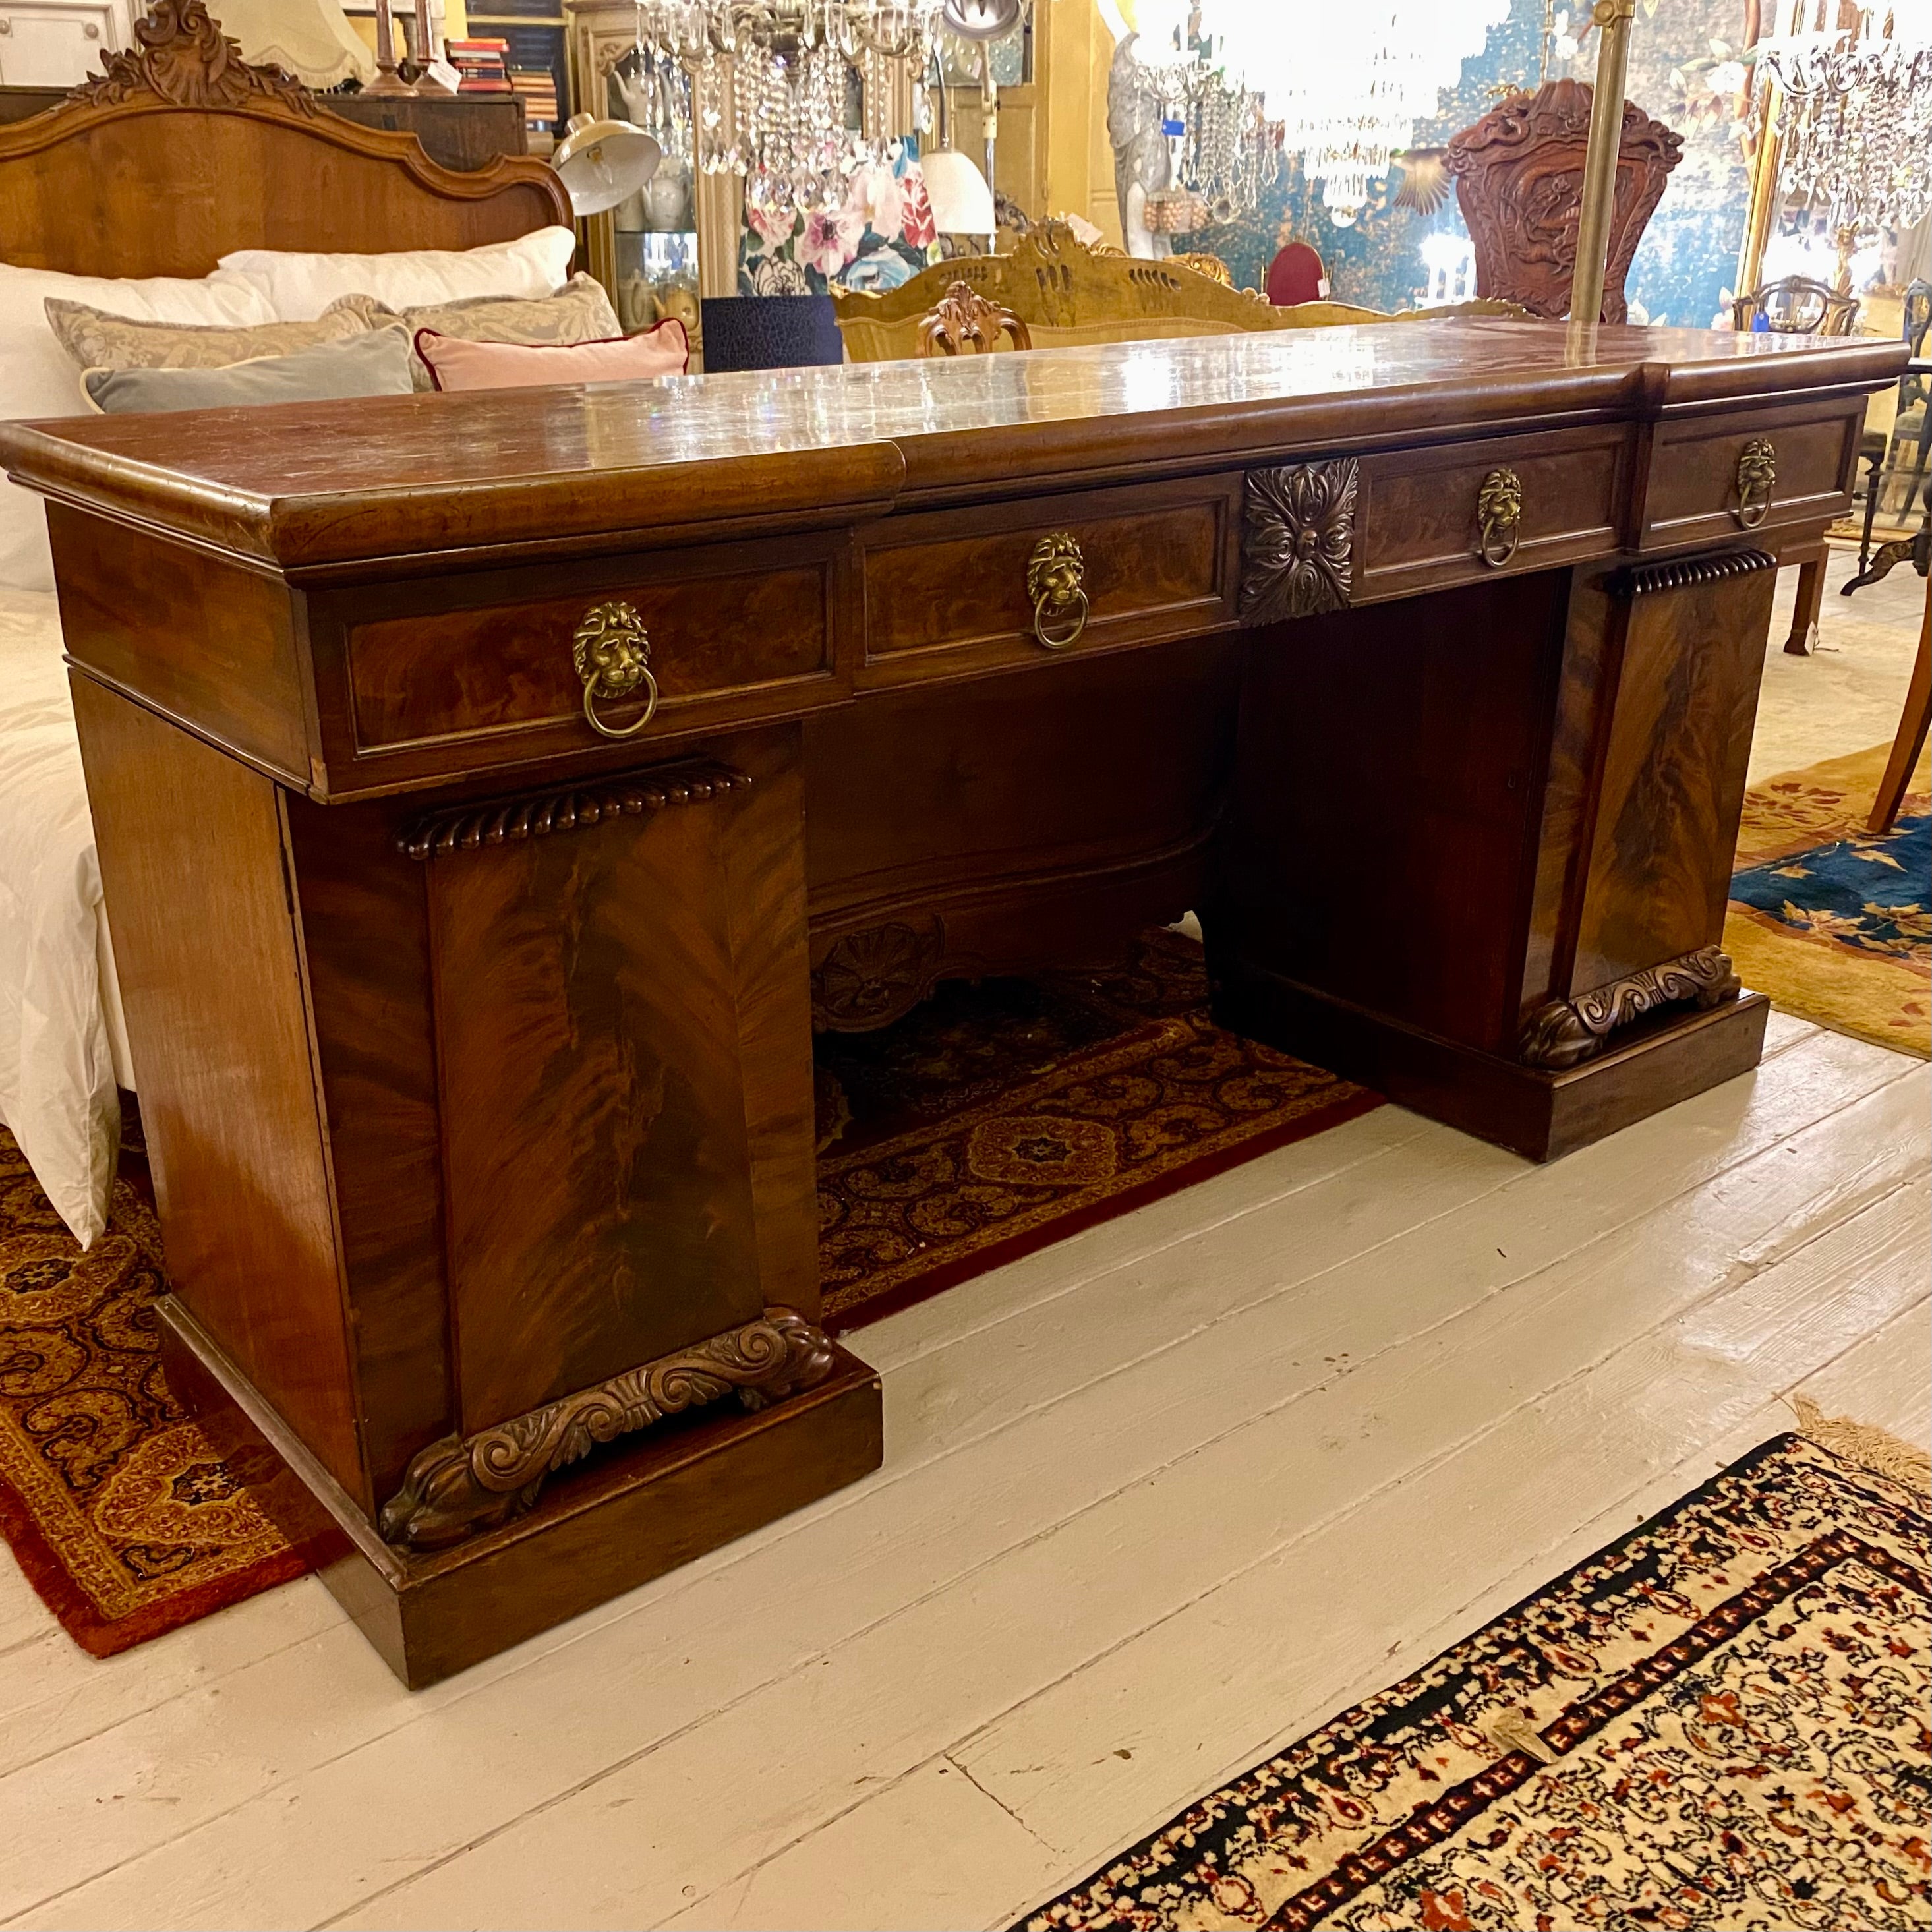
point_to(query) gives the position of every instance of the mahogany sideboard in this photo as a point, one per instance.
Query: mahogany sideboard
(494, 791)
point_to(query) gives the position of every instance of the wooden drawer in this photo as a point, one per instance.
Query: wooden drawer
(1693, 496)
(1420, 515)
(947, 593)
(465, 672)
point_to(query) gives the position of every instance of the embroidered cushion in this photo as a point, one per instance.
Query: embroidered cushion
(97, 339)
(579, 311)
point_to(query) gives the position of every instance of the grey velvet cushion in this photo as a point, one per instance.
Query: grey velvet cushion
(377, 363)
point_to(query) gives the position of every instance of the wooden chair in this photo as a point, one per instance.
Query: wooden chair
(1795, 305)
(964, 319)
(1880, 452)
(1519, 175)
(1066, 295)
(1296, 274)
(1911, 729)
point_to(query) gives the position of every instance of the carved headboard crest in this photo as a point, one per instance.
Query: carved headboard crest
(184, 58)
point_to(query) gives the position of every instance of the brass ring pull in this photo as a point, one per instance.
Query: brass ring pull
(1042, 604)
(1055, 575)
(1757, 476)
(1499, 512)
(612, 651)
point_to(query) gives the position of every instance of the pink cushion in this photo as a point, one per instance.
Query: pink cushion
(454, 364)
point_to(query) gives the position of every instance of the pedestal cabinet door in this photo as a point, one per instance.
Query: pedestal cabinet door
(596, 1171)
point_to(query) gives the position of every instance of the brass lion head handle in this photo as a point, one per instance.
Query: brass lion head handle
(1499, 514)
(1757, 476)
(613, 653)
(1056, 583)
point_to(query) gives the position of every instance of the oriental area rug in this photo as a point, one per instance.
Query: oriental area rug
(1718, 1721)
(992, 1120)
(996, 1117)
(1835, 925)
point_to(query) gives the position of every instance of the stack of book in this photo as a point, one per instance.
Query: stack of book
(535, 87)
(481, 65)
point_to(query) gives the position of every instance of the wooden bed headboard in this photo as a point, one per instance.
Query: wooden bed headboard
(181, 151)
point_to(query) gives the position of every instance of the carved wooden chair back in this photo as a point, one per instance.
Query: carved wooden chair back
(964, 319)
(1796, 305)
(1519, 175)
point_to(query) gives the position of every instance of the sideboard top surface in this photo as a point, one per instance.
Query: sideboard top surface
(318, 485)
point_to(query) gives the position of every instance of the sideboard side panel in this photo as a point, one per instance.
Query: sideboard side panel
(192, 861)
(365, 939)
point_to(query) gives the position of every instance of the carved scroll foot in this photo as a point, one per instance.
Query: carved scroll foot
(1565, 1033)
(463, 1485)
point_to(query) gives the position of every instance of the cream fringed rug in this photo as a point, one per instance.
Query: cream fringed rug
(1720, 1720)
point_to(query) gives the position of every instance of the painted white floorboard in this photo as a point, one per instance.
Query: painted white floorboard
(1098, 1439)
(956, 1659)
(364, 1792)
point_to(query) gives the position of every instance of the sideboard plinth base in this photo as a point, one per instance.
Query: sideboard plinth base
(1541, 1115)
(636, 1511)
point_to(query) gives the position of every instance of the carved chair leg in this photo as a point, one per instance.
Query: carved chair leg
(1912, 729)
(1806, 605)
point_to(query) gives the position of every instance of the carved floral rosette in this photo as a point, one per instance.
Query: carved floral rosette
(462, 1485)
(1564, 1033)
(1297, 541)
(869, 978)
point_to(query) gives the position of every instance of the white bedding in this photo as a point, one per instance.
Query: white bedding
(63, 1047)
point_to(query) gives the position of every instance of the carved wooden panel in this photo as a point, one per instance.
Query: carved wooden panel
(1519, 182)
(1298, 540)
(597, 1166)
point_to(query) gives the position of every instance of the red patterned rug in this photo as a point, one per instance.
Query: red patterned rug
(999, 1116)
(124, 1516)
(1719, 1721)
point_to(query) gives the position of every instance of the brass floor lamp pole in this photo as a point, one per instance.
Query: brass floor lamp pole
(1613, 18)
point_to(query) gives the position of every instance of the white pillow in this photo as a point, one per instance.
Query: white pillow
(38, 379)
(299, 287)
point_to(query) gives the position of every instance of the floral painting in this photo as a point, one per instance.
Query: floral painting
(881, 234)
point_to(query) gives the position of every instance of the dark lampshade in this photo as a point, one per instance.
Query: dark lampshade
(770, 332)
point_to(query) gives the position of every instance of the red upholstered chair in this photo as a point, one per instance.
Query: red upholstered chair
(1296, 275)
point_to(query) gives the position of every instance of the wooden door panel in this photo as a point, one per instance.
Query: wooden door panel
(1674, 764)
(596, 1159)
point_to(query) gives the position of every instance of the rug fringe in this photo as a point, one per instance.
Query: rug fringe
(1865, 1443)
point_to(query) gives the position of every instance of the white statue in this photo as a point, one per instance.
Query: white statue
(1143, 163)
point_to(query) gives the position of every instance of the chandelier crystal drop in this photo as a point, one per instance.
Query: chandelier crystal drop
(768, 81)
(1347, 85)
(1856, 118)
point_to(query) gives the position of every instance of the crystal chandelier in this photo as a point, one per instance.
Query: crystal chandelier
(1347, 87)
(1227, 149)
(1856, 118)
(768, 81)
